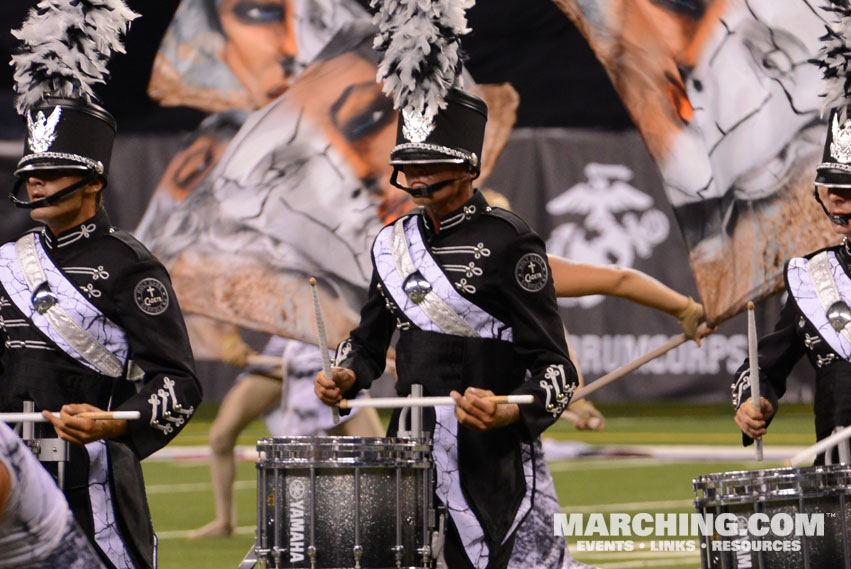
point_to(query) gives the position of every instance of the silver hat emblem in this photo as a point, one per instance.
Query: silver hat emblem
(416, 126)
(840, 146)
(42, 131)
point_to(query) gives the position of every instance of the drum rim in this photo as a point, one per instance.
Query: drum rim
(301, 452)
(772, 473)
(300, 439)
(771, 485)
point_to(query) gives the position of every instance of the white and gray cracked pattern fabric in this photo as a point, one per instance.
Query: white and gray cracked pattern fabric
(106, 332)
(449, 492)
(803, 290)
(483, 323)
(106, 532)
(35, 516)
(535, 544)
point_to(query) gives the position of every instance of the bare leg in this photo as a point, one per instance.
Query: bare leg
(245, 401)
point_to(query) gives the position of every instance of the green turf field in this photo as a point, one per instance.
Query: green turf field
(181, 499)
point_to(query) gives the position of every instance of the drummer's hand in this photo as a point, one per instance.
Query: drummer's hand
(480, 414)
(330, 390)
(81, 431)
(751, 421)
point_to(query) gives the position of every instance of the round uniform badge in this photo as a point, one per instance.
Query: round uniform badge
(151, 296)
(531, 272)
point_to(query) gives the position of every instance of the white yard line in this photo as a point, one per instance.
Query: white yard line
(196, 487)
(601, 463)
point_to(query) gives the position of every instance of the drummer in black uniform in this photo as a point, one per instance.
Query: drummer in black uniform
(469, 290)
(89, 321)
(814, 321)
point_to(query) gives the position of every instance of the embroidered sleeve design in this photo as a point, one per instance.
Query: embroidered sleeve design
(557, 389)
(344, 349)
(741, 388)
(166, 409)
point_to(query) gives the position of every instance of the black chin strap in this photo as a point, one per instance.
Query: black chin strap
(50, 200)
(421, 191)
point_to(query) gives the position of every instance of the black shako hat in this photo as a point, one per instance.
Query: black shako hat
(455, 136)
(67, 134)
(835, 168)
(62, 56)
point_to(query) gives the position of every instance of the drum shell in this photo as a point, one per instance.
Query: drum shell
(339, 492)
(814, 490)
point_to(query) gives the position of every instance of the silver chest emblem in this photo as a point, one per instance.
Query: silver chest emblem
(416, 287)
(42, 130)
(840, 146)
(43, 299)
(839, 315)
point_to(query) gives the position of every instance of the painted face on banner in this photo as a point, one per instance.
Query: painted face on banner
(297, 184)
(755, 100)
(260, 45)
(727, 103)
(219, 55)
(721, 90)
(357, 119)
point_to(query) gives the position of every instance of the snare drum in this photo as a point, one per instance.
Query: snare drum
(791, 491)
(334, 502)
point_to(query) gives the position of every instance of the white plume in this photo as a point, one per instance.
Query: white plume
(421, 41)
(65, 48)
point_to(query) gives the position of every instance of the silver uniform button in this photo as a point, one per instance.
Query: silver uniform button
(416, 287)
(43, 299)
(839, 315)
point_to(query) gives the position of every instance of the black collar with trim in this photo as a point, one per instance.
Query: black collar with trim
(472, 209)
(79, 234)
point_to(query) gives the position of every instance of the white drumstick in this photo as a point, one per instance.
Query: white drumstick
(323, 342)
(394, 402)
(753, 361)
(95, 415)
(820, 447)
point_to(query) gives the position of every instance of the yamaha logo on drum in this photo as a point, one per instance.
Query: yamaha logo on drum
(296, 489)
(295, 516)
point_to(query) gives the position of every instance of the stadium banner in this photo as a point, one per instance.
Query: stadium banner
(549, 176)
